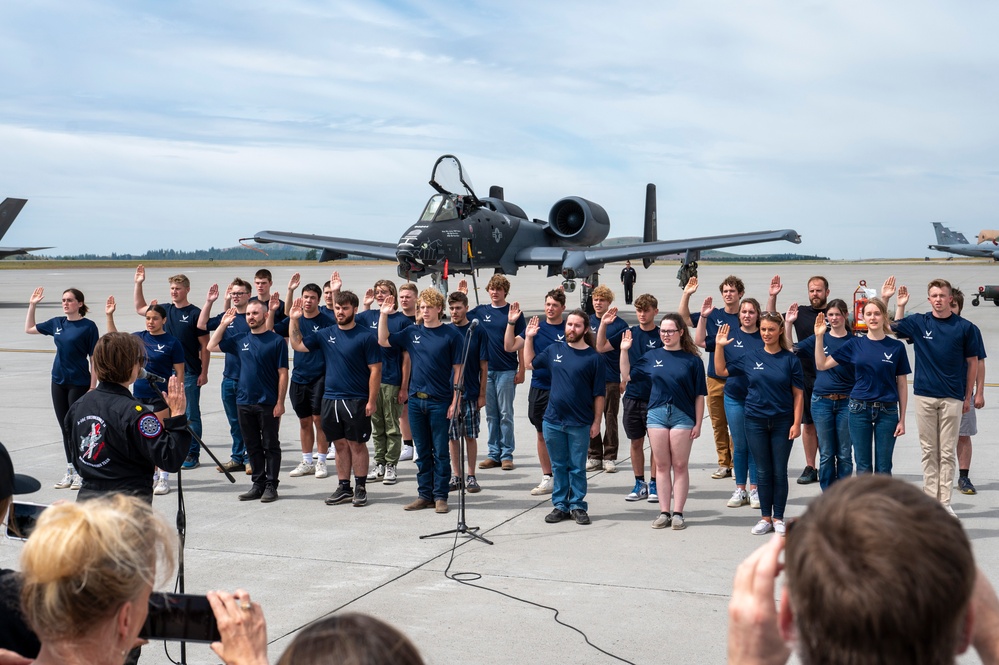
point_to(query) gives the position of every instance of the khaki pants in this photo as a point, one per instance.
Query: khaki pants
(719, 423)
(385, 433)
(938, 420)
(605, 447)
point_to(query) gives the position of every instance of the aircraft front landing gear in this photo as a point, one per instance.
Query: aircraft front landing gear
(686, 271)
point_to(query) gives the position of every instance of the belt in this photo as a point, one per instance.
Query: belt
(425, 396)
(835, 397)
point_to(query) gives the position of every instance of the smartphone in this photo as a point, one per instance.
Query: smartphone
(23, 518)
(180, 617)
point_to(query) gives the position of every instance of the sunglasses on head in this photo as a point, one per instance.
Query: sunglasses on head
(772, 316)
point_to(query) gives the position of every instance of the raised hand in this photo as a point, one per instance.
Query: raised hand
(903, 296)
(820, 325)
(514, 312)
(175, 397)
(335, 282)
(369, 297)
(228, 317)
(275, 302)
(775, 286)
(297, 310)
(213, 293)
(792, 314)
(295, 280)
(463, 286)
(707, 306)
(109, 306)
(888, 289)
(532, 327)
(626, 340)
(140, 274)
(721, 337)
(691, 286)
(609, 316)
(36, 296)
(388, 305)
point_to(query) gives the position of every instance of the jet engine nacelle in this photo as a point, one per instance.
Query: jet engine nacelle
(578, 222)
(995, 255)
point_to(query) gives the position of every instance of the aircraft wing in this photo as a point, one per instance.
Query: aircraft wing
(333, 248)
(11, 251)
(658, 248)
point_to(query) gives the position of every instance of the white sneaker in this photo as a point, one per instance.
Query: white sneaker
(66, 481)
(407, 453)
(592, 464)
(779, 527)
(950, 511)
(303, 469)
(754, 499)
(546, 486)
(77, 482)
(390, 475)
(321, 470)
(609, 466)
(377, 473)
(762, 527)
(161, 487)
(739, 498)
(331, 454)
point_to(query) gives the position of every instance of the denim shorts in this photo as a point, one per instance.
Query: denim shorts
(668, 416)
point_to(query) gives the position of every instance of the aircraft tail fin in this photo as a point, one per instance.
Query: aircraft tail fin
(947, 237)
(651, 232)
(9, 210)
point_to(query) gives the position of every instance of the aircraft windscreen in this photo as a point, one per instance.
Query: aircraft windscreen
(449, 176)
(439, 208)
(432, 205)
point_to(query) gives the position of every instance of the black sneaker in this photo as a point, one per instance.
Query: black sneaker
(556, 516)
(454, 484)
(360, 496)
(254, 494)
(965, 485)
(341, 495)
(580, 516)
(808, 476)
(270, 494)
(472, 485)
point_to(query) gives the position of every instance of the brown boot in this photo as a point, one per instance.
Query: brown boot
(419, 504)
(441, 506)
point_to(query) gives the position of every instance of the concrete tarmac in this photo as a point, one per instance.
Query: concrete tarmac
(640, 594)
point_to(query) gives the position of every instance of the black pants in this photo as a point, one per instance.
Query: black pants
(629, 291)
(63, 396)
(260, 434)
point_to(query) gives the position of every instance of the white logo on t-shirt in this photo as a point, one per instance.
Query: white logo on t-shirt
(758, 366)
(558, 357)
(659, 363)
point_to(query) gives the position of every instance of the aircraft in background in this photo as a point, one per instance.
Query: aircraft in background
(9, 210)
(955, 243)
(460, 233)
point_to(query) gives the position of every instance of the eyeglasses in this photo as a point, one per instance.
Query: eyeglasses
(667, 333)
(238, 293)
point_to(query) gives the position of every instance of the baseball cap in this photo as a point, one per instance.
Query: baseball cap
(14, 483)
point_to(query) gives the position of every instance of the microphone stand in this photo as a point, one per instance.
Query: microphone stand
(459, 388)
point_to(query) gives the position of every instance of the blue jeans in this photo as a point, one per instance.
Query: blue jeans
(232, 415)
(499, 413)
(742, 458)
(193, 393)
(567, 447)
(877, 421)
(771, 448)
(832, 426)
(429, 423)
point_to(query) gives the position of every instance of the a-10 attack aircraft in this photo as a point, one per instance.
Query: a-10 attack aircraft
(460, 233)
(9, 210)
(955, 243)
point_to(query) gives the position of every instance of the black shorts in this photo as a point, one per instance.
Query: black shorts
(307, 398)
(537, 401)
(345, 419)
(634, 415)
(806, 415)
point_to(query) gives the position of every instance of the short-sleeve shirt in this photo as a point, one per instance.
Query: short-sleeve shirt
(876, 364)
(836, 381)
(577, 379)
(771, 379)
(391, 356)
(494, 321)
(677, 378)
(434, 352)
(237, 326)
(75, 342)
(162, 353)
(548, 333)
(182, 323)
(348, 354)
(612, 358)
(478, 350)
(642, 341)
(261, 356)
(804, 326)
(309, 367)
(942, 348)
(736, 386)
(716, 319)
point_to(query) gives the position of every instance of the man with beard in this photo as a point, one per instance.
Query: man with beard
(261, 388)
(804, 325)
(353, 376)
(575, 407)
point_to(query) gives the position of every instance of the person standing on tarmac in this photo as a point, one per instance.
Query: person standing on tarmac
(629, 278)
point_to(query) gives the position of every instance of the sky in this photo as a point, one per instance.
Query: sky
(138, 125)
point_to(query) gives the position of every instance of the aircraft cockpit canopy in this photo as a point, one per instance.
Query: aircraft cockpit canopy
(450, 178)
(440, 208)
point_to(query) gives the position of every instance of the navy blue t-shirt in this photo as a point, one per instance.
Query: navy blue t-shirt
(771, 378)
(642, 341)
(577, 378)
(348, 355)
(548, 334)
(981, 342)
(162, 353)
(677, 378)
(478, 351)
(736, 387)
(391, 357)
(494, 321)
(716, 319)
(237, 326)
(876, 364)
(182, 323)
(261, 356)
(308, 366)
(612, 359)
(942, 347)
(74, 342)
(433, 352)
(836, 381)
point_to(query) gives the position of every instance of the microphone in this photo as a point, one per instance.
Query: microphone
(155, 378)
(474, 323)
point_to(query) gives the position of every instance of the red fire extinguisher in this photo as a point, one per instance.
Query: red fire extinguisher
(859, 300)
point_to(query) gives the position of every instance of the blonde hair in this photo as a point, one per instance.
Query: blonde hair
(432, 297)
(84, 560)
(603, 292)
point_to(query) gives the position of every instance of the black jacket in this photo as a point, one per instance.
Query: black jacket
(118, 442)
